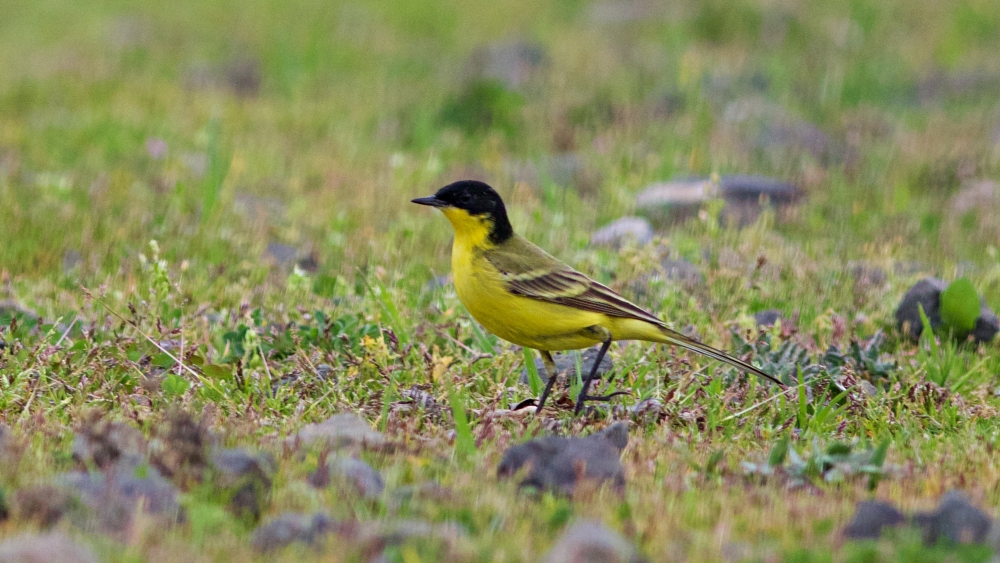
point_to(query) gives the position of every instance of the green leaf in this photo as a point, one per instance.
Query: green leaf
(175, 385)
(779, 452)
(216, 371)
(465, 444)
(534, 382)
(878, 457)
(960, 306)
(163, 360)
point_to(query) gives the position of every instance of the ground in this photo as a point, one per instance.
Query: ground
(206, 225)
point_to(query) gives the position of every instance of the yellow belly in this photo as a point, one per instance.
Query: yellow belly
(521, 320)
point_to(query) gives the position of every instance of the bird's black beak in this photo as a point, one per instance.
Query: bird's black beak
(431, 200)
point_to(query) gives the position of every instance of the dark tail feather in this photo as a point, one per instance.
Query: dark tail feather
(678, 339)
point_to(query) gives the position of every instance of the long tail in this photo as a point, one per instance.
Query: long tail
(678, 339)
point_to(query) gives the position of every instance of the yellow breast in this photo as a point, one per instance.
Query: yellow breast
(521, 320)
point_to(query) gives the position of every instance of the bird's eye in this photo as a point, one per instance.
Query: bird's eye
(465, 199)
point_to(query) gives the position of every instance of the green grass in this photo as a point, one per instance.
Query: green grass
(350, 110)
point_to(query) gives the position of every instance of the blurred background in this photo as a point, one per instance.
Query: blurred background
(247, 135)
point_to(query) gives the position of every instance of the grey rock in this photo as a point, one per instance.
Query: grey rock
(767, 317)
(955, 520)
(281, 254)
(558, 464)
(43, 505)
(682, 272)
(925, 293)
(622, 231)
(777, 133)
(967, 85)
(867, 274)
(102, 444)
(71, 260)
(292, 528)
(514, 64)
(975, 196)
(45, 548)
(987, 325)
(246, 479)
(357, 474)
(115, 500)
(744, 195)
(871, 518)
(566, 364)
(395, 532)
(667, 203)
(589, 541)
(340, 430)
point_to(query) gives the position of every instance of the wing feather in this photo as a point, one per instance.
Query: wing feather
(566, 286)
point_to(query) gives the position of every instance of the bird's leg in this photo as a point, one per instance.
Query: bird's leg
(553, 373)
(605, 335)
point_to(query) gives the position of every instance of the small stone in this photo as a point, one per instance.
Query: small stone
(116, 500)
(566, 364)
(867, 274)
(71, 260)
(767, 317)
(871, 518)
(357, 474)
(246, 478)
(743, 195)
(955, 520)
(976, 196)
(682, 272)
(668, 203)
(925, 293)
(45, 548)
(42, 504)
(291, 528)
(559, 464)
(589, 541)
(281, 254)
(101, 444)
(987, 325)
(780, 135)
(622, 231)
(340, 430)
(180, 449)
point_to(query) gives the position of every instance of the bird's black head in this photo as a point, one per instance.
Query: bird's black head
(477, 199)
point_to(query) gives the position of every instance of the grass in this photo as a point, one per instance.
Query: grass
(150, 156)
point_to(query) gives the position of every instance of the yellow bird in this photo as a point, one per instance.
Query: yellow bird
(522, 294)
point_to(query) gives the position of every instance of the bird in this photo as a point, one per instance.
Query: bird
(525, 296)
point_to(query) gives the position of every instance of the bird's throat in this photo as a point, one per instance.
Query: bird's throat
(471, 231)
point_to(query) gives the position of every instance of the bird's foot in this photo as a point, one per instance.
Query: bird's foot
(602, 398)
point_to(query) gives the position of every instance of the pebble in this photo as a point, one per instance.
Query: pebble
(622, 231)
(559, 464)
(340, 430)
(590, 541)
